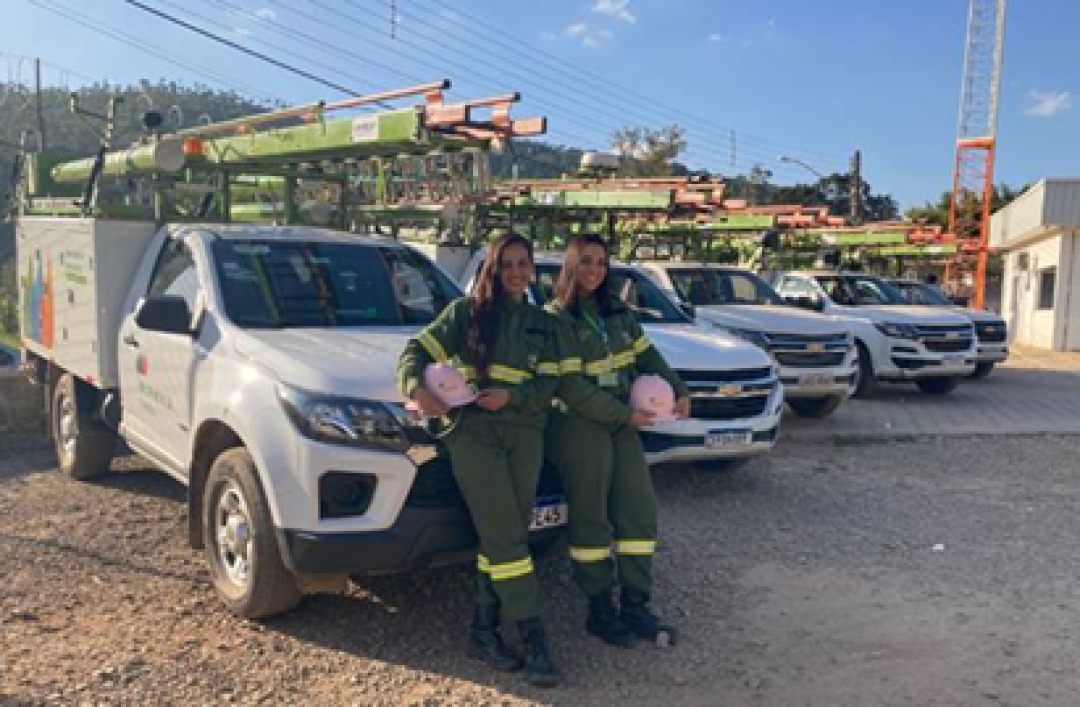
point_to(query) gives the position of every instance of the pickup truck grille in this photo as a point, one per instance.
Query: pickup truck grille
(718, 408)
(716, 377)
(991, 333)
(947, 345)
(435, 485)
(799, 359)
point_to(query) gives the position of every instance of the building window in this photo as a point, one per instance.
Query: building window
(1047, 282)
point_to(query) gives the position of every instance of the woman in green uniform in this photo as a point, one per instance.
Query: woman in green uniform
(593, 441)
(506, 346)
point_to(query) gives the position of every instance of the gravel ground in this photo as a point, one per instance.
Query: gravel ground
(931, 572)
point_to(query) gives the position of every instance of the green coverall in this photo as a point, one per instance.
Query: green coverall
(496, 456)
(612, 505)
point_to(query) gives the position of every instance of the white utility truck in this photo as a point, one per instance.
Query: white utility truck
(991, 331)
(736, 398)
(254, 364)
(897, 342)
(815, 352)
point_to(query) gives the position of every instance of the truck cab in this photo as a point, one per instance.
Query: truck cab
(815, 352)
(991, 331)
(896, 342)
(255, 364)
(736, 396)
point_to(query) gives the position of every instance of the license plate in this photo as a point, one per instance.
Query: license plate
(954, 359)
(548, 512)
(816, 379)
(727, 439)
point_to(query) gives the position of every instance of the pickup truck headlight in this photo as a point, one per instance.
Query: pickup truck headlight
(754, 337)
(898, 331)
(355, 422)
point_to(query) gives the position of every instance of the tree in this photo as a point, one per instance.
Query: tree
(648, 152)
(937, 213)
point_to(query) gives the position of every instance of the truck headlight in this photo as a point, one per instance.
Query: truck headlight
(898, 331)
(355, 422)
(749, 335)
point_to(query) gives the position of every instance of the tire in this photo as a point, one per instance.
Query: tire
(982, 370)
(865, 383)
(241, 547)
(84, 446)
(815, 407)
(937, 386)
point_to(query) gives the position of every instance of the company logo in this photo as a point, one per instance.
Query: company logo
(728, 391)
(952, 335)
(815, 348)
(142, 365)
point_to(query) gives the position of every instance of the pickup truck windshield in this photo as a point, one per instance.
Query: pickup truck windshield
(648, 303)
(859, 290)
(706, 286)
(278, 284)
(919, 293)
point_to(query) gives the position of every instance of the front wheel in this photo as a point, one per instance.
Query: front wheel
(815, 407)
(982, 370)
(238, 533)
(84, 446)
(937, 386)
(865, 382)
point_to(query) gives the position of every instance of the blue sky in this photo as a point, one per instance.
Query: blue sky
(810, 80)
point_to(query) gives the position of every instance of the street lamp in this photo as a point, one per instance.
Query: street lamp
(785, 158)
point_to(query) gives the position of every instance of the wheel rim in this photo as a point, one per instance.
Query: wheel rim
(67, 428)
(233, 532)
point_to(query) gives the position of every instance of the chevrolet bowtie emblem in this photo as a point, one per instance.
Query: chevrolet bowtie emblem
(815, 348)
(729, 390)
(952, 335)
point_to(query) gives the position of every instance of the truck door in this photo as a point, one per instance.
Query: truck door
(156, 369)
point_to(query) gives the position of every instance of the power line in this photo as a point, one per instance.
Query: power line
(240, 48)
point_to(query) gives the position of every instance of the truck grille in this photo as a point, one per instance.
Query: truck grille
(436, 486)
(715, 377)
(799, 359)
(991, 333)
(947, 345)
(708, 408)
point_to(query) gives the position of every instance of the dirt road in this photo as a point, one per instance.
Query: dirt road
(934, 572)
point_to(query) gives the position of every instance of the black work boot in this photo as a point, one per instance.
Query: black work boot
(640, 619)
(605, 623)
(486, 643)
(539, 670)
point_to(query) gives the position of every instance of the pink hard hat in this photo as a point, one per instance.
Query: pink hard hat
(448, 384)
(654, 394)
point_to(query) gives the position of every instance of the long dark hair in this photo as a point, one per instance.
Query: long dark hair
(566, 289)
(484, 323)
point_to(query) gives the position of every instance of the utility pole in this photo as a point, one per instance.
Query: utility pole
(856, 187)
(40, 110)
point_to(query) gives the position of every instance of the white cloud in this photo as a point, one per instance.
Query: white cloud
(589, 37)
(576, 30)
(241, 32)
(1046, 105)
(265, 13)
(716, 37)
(618, 9)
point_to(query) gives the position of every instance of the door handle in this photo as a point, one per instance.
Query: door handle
(131, 341)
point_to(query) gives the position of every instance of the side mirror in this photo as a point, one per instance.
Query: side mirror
(814, 304)
(165, 314)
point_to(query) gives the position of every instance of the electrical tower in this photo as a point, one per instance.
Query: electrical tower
(973, 172)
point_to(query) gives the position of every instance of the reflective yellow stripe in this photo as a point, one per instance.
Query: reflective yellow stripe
(483, 564)
(635, 547)
(511, 570)
(548, 368)
(467, 372)
(641, 344)
(570, 365)
(433, 346)
(589, 554)
(623, 359)
(507, 374)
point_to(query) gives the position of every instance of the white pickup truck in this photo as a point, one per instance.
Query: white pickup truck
(736, 397)
(256, 366)
(991, 331)
(815, 352)
(897, 342)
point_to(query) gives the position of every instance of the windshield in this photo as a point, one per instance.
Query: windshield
(859, 290)
(705, 286)
(648, 303)
(277, 284)
(920, 293)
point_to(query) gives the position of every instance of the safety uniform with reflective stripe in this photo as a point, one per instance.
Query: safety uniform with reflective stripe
(612, 505)
(496, 456)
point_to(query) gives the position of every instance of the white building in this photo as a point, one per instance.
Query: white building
(1039, 236)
